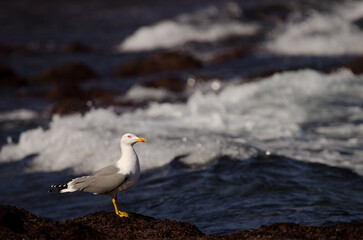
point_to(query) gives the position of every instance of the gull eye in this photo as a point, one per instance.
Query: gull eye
(129, 136)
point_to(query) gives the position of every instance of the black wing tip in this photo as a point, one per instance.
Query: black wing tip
(58, 187)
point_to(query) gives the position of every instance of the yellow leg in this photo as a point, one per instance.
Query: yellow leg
(117, 208)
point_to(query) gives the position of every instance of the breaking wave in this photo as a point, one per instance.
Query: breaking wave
(285, 114)
(207, 25)
(328, 33)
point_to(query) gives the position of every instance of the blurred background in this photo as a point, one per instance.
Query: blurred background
(253, 110)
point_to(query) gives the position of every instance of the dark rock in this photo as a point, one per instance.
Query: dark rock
(68, 73)
(274, 12)
(8, 78)
(77, 47)
(259, 76)
(356, 65)
(160, 62)
(346, 231)
(16, 223)
(172, 84)
(96, 92)
(12, 221)
(359, 23)
(69, 106)
(137, 227)
(71, 98)
(239, 52)
(72, 90)
(62, 92)
(269, 73)
(6, 49)
(102, 96)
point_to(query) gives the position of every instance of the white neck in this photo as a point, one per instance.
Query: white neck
(129, 162)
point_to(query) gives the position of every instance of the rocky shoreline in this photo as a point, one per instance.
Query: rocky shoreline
(17, 223)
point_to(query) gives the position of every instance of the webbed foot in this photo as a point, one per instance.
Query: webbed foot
(122, 214)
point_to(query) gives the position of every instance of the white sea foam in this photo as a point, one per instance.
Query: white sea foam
(19, 114)
(325, 33)
(284, 114)
(207, 25)
(139, 94)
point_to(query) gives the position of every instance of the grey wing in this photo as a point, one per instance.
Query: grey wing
(109, 170)
(103, 181)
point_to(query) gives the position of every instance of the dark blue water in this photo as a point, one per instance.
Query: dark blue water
(224, 196)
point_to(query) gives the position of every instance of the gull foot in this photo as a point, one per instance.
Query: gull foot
(123, 214)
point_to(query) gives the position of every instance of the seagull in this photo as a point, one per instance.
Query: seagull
(112, 179)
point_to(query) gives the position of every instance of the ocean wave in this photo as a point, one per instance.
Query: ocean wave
(206, 25)
(284, 114)
(321, 33)
(18, 114)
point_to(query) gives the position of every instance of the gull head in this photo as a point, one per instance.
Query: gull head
(131, 139)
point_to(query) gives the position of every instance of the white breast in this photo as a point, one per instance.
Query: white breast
(129, 166)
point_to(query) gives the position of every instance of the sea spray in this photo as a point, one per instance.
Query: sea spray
(284, 114)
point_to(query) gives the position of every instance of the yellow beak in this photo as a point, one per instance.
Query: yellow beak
(141, 140)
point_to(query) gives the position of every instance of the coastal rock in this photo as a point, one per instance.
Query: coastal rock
(239, 52)
(102, 96)
(172, 84)
(17, 223)
(273, 12)
(65, 91)
(6, 49)
(160, 62)
(359, 23)
(137, 227)
(77, 47)
(288, 231)
(69, 106)
(73, 90)
(67, 73)
(71, 98)
(8, 78)
(259, 76)
(269, 73)
(355, 65)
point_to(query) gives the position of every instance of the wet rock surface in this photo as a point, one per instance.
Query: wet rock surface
(352, 230)
(70, 106)
(17, 223)
(6, 48)
(71, 98)
(355, 65)
(8, 78)
(77, 47)
(66, 73)
(160, 62)
(270, 12)
(173, 84)
(231, 54)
